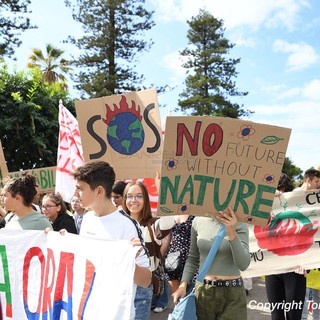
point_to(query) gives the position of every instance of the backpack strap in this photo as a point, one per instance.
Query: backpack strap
(139, 232)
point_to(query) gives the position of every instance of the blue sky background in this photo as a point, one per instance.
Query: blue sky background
(277, 41)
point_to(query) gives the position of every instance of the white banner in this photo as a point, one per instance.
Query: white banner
(291, 238)
(64, 277)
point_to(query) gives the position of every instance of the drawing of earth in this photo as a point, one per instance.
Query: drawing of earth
(125, 133)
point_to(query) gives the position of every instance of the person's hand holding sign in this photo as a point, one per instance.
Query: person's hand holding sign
(230, 221)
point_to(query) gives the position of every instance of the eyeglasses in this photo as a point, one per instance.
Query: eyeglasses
(117, 197)
(47, 207)
(138, 198)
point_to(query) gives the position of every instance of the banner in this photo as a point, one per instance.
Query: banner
(70, 155)
(210, 163)
(292, 237)
(64, 277)
(123, 130)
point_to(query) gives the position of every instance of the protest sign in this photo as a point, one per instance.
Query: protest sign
(45, 178)
(210, 163)
(123, 130)
(65, 277)
(3, 164)
(292, 237)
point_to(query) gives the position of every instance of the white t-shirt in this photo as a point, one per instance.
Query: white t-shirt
(115, 226)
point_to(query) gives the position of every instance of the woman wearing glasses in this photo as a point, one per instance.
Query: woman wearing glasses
(137, 204)
(54, 208)
(18, 194)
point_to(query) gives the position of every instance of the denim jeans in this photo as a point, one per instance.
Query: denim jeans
(142, 302)
(313, 298)
(162, 301)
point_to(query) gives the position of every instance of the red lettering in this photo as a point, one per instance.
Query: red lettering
(65, 274)
(182, 131)
(90, 274)
(210, 148)
(37, 253)
(50, 269)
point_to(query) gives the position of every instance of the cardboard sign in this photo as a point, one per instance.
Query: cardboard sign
(45, 178)
(292, 237)
(210, 163)
(123, 130)
(3, 164)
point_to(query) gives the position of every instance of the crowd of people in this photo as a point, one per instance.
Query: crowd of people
(104, 208)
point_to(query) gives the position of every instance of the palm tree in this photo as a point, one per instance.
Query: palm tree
(50, 64)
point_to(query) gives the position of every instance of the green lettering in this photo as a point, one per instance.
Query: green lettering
(204, 180)
(43, 179)
(216, 195)
(52, 178)
(166, 186)
(243, 194)
(6, 287)
(261, 201)
(187, 188)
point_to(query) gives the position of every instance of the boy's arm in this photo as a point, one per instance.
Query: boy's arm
(142, 273)
(142, 276)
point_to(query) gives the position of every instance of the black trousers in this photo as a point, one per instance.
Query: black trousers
(288, 289)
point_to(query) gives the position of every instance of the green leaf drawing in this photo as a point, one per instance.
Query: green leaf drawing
(166, 210)
(271, 140)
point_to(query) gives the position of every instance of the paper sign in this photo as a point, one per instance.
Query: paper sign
(210, 163)
(123, 130)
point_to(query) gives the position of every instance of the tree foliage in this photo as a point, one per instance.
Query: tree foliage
(113, 35)
(13, 20)
(209, 83)
(53, 67)
(293, 172)
(29, 127)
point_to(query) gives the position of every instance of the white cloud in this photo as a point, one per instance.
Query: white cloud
(235, 13)
(301, 55)
(242, 41)
(273, 88)
(173, 61)
(292, 92)
(302, 119)
(311, 90)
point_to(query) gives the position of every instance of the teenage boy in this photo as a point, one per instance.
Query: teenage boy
(311, 180)
(94, 183)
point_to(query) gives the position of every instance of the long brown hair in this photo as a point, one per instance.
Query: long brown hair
(57, 199)
(145, 214)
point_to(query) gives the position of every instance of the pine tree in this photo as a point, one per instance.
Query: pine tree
(12, 22)
(113, 35)
(209, 83)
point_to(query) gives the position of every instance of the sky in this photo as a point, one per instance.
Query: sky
(277, 41)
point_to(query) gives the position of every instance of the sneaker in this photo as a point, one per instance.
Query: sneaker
(159, 309)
